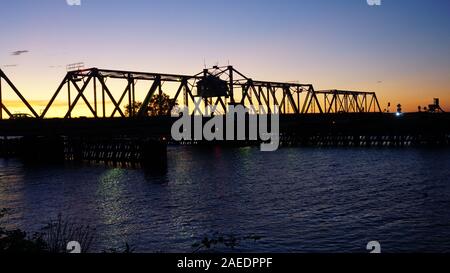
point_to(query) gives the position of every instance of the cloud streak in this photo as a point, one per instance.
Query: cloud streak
(19, 52)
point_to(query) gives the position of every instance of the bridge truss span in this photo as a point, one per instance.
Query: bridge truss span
(107, 93)
(343, 101)
(96, 82)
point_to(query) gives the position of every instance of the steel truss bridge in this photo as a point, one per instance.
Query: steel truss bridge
(218, 86)
(113, 135)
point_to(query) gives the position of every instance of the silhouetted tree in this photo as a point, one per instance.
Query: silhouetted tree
(136, 106)
(159, 105)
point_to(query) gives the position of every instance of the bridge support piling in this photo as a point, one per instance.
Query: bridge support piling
(146, 153)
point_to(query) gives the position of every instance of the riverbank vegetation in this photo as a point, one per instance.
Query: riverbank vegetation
(52, 239)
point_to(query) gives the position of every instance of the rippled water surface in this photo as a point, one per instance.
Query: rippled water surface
(297, 199)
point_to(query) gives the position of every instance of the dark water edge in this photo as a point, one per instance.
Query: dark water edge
(297, 199)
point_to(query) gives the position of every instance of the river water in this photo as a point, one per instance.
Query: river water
(296, 199)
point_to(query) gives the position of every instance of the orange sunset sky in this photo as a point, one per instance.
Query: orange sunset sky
(401, 49)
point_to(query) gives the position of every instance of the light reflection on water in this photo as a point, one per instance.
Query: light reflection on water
(298, 199)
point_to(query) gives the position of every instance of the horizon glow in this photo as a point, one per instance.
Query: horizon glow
(399, 49)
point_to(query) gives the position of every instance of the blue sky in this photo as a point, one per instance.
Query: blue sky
(400, 49)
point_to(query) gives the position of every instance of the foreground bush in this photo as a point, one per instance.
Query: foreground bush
(53, 238)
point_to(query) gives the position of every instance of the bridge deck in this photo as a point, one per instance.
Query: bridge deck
(311, 124)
